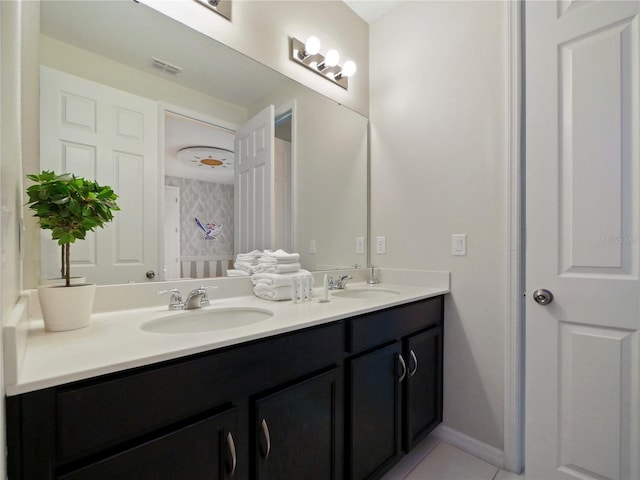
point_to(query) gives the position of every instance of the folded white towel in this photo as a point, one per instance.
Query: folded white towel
(244, 266)
(279, 256)
(272, 293)
(278, 279)
(237, 273)
(276, 268)
(251, 257)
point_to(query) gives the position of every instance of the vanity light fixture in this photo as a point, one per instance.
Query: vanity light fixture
(308, 54)
(221, 7)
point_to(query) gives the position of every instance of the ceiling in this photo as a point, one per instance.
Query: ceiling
(370, 10)
(182, 132)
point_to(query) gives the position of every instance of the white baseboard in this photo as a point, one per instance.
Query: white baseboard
(470, 445)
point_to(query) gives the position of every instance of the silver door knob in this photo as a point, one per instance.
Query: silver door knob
(543, 296)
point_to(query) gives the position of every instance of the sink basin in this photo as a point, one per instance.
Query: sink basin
(206, 320)
(365, 293)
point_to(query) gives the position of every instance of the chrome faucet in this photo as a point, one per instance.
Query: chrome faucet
(339, 283)
(196, 299)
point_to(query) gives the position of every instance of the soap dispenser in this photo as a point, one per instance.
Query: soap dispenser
(372, 276)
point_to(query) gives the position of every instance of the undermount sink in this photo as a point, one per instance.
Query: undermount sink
(363, 293)
(206, 320)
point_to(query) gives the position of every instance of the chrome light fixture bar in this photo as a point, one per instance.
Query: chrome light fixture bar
(308, 54)
(221, 7)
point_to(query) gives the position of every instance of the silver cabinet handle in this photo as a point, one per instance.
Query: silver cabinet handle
(404, 368)
(267, 437)
(232, 450)
(415, 363)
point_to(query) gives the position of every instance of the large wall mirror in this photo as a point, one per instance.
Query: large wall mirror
(186, 96)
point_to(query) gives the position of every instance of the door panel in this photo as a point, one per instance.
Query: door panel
(423, 400)
(110, 136)
(293, 422)
(583, 198)
(375, 412)
(253, 183)
(200, 451)
(171, 232)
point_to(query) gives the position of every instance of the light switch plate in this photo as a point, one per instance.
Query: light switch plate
(312, 247)
(360, 245)
(459, 244)
(381, 245)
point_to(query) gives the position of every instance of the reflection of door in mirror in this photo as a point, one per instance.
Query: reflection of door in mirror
(107, 135)
(263, 183)
(171, 233)
(254, 183)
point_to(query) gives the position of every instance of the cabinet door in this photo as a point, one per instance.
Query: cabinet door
(423, 399)
(200, 451)
(299, 431)
(375, 411)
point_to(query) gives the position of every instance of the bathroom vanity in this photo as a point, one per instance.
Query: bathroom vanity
(342, 398)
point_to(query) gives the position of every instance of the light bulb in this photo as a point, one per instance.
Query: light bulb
(312, 46)
(348, 69)
(332, 58)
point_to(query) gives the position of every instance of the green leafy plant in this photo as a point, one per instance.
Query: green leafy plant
(70, 207)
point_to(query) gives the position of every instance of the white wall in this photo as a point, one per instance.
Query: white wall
(438, 167)
(330, 185)
(261, 30)
(18, 109)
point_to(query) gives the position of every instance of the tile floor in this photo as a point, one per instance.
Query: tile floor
(437, 460)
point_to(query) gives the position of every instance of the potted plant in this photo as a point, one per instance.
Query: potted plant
(70, 207)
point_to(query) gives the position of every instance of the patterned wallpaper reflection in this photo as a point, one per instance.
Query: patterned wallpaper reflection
(210, 203)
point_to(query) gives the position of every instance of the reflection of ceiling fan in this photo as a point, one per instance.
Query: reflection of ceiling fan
(207, 157)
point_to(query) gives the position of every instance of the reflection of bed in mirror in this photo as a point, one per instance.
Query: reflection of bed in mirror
(325, 200)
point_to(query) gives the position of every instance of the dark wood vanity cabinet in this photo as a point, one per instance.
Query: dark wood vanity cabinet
(184, 419)
(395, 384)
(206, 451)
(423, 386)
(300, 431)
(375, 412)
(322, 403)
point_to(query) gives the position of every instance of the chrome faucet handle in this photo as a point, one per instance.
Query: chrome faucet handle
(202, 290)
(175, 302)
(339, 283)
(198, 298)
(342, 280)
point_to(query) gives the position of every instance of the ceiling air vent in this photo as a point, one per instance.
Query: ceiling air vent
(166, 66)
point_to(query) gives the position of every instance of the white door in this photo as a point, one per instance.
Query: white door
(105, 134)
(253, 183)
(171, 232)
(583, 239)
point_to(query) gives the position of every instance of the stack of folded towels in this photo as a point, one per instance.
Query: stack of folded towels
(245, 262)
(277, 262)
(274, 274)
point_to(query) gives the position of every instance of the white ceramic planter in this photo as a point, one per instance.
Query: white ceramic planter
(66, 308)
(61, 281)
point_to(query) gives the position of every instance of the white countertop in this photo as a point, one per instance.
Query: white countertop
(114, 341)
